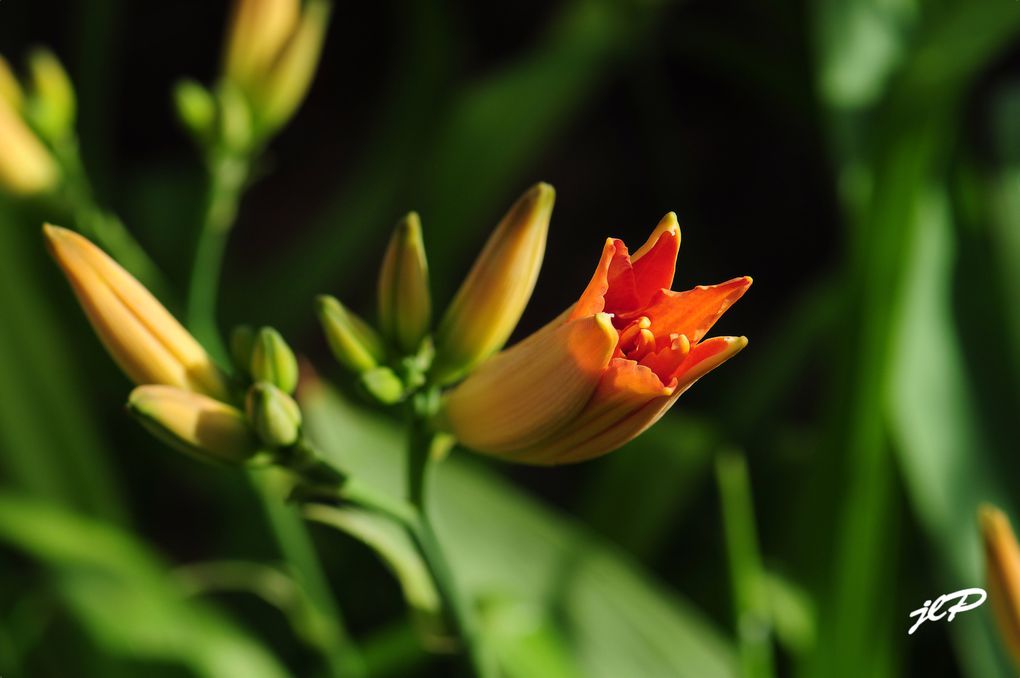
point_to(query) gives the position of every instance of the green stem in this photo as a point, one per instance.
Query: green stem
(747, 577)
(340, 652)
(459, 606)
(227, 175)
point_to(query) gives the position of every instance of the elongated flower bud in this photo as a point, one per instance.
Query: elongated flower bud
(292, 72)
(353, 342)
(273, 414)
(194, 423)
(405, 306)
(273, 361)
(257, 32)
(1002, 568)
(26, 166)
(148, 343)
(491, 300)
(53, 102)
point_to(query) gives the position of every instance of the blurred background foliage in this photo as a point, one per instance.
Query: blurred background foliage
(859, 158)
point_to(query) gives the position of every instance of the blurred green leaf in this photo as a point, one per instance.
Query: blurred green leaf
(943, 452)
(503, 545)
(394, 545)
(126, 598)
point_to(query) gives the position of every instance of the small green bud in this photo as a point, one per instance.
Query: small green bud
(242, 343)
(405, 307)
(235, 117)
(353, 341)
(273, 414)
(52, 104)
(384, 385)
(196, 109)
(193, 423)
(273, 361)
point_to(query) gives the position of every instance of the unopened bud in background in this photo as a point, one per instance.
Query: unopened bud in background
(26, 166)
(353, 341)
(52, 105)
(273, 414)
(405, 306)
(272, 360)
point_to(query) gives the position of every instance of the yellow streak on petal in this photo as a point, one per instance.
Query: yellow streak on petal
(141, 335)
(525, 393)
(668, 224)
(1002, 568)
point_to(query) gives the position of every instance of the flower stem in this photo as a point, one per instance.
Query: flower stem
(419, 464)
(228, 173)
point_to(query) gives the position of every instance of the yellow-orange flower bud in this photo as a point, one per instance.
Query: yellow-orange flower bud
(489, 303)
(144, 339)
(405, 306)
(26, 165)
(1002, 568)
(272, 53)
(194, 423)
(562, 395)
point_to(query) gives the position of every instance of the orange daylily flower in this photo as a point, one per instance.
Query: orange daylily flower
(603, 371)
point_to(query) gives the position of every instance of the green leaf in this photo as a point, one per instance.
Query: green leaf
(125, 597)
(504, 546)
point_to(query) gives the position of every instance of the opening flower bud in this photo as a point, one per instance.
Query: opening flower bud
(492, 298)
(405, 306)
(144, 339)
(273, 414)
(272, 361)
(603, 371)
(353, 341)
(193, 423)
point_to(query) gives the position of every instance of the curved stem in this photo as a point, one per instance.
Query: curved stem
(227, 175)
(459, 606)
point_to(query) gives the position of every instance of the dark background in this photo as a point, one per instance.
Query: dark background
(867, 468)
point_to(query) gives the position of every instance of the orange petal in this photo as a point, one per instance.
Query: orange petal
(692, 313)
(701, 360)
(593, 299)
(666, 360)
(525, 393)
(655, 263)
(625, 388)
